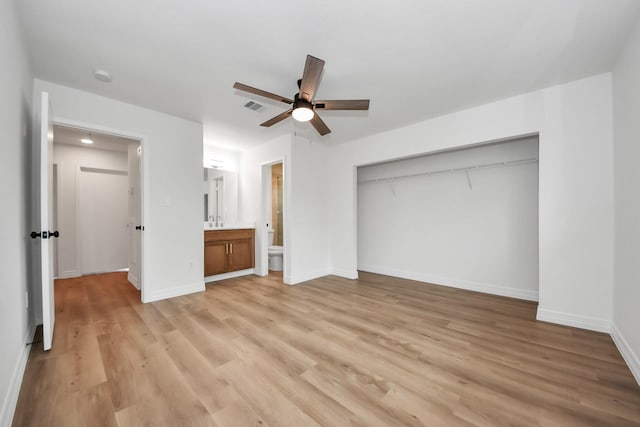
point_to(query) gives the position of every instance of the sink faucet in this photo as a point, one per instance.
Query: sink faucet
(215, 221)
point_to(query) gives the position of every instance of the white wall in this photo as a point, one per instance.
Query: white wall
(626, 290)
(16, 323)
(69, 160)
(476, 232)
(574, 122)
(172, 183)
(308, 217)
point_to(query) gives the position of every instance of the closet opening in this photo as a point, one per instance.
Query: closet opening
(465, 218)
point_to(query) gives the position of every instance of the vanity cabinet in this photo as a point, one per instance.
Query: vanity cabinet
(228, 250)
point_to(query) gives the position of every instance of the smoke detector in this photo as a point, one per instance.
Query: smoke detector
(102, 75)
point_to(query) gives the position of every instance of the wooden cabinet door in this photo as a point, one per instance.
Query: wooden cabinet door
(215, 258)
(240, 254)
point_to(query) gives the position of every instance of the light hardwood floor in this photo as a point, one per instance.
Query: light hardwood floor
(378, 351)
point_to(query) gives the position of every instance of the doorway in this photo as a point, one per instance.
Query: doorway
(465, 218)
(274, 249)
(98, 203)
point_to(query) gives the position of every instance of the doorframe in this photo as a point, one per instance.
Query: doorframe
(144, 168)
(265, 168)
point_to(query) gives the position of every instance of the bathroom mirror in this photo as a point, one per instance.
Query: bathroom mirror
(220, 197)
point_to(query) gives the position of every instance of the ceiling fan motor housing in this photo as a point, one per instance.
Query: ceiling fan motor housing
(301, 103)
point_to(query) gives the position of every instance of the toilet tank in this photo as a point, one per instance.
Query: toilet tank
(270, 232)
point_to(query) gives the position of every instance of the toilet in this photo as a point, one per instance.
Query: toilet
(275, 254)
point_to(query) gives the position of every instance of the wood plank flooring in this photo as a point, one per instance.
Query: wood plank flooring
(377, 351)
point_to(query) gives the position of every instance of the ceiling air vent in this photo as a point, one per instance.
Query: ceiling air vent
(252, 105)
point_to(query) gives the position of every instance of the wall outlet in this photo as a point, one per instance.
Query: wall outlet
(190, 264)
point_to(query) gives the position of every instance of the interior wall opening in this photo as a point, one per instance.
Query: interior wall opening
(98, 203)
(273, 188)
(464, 218)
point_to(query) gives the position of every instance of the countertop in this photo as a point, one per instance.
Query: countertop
(229, 227)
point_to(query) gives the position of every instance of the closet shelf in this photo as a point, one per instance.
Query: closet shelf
(465, 169)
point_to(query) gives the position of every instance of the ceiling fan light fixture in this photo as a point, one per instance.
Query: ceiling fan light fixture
(302, 110)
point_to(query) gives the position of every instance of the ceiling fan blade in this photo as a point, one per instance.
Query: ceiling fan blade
(320, 126)
(261, 92)
(343, 104)
(277, 119)
(311, 77)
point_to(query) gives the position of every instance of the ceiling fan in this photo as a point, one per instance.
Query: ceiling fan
(303, 107)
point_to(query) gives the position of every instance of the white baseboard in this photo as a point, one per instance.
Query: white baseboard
(133, 280)
(347, 274)
(229, 275)
(178, 291)
(300, 278)
(575, 320)
(486, 288)
(629, 356)
(11, 398)
(69, 274)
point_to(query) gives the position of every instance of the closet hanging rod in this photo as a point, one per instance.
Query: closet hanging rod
(454, 170)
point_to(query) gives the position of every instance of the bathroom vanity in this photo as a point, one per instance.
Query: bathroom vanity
(229, 246)
(228, 250)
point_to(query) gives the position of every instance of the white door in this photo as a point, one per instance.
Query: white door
(46, 215)
(102, 219)
(135, 217)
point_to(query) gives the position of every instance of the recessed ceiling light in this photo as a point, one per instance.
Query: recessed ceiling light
(102, 75)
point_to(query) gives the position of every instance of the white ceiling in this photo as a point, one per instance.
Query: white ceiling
(413, 59)
(72, 136)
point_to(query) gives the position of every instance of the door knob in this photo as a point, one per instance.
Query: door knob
(45, 234)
